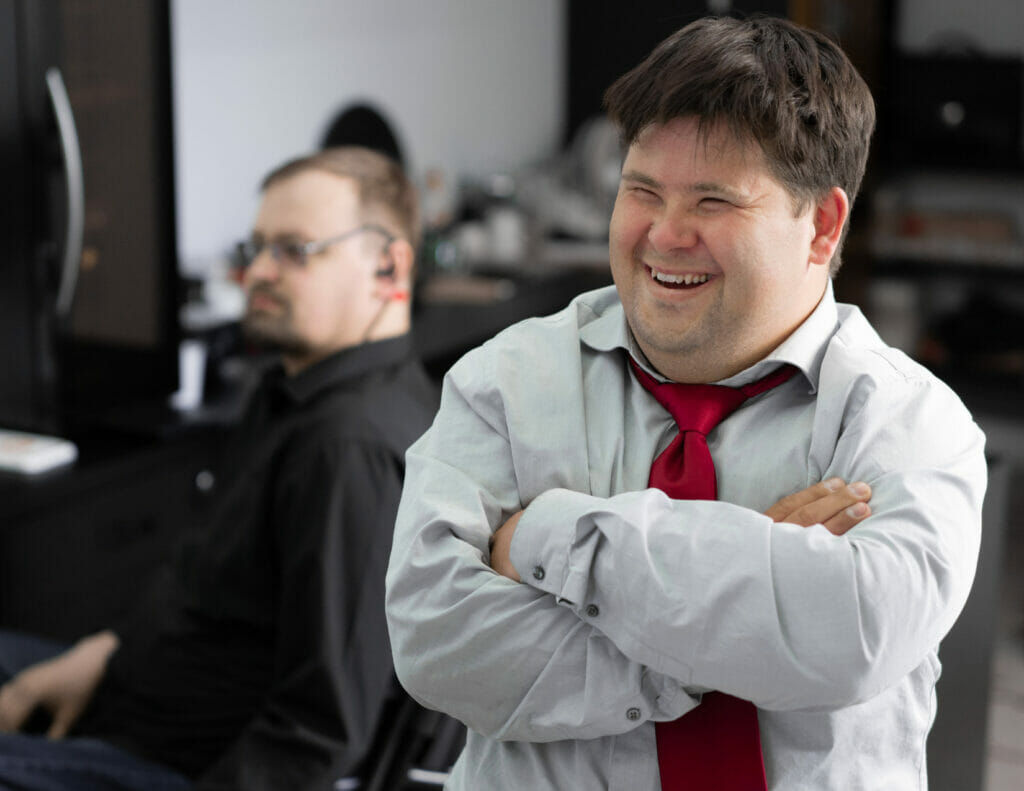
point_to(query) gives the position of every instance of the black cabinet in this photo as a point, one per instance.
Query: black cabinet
(88, 269)
(78, 546)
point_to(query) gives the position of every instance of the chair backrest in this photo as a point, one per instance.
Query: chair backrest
(416, 749)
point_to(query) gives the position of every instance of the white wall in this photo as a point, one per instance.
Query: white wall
(996, 27)
(472, 86)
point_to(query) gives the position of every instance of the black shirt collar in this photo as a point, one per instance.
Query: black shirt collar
(347, 364)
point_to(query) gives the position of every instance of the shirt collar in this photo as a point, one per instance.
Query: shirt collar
(804, 348)
(342, 366)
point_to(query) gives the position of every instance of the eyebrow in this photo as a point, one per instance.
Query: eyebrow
(288, 237)
(699, 186)
(641, 178)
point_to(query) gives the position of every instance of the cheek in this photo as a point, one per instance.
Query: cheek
(246, 279)
(626, 229)
(790, 238)
(311, 308)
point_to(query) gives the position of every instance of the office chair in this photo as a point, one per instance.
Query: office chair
(413, 751)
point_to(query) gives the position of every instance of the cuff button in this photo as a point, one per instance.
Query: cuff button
(538, 572)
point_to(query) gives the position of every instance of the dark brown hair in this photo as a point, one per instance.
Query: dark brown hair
(386, 196)
(790, 90)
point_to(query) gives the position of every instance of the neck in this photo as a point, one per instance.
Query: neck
(390, 321)
(295, 362)
(705, 364)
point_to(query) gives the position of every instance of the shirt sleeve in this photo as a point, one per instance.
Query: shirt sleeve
(335, 506)
(788, 617)
(505, 658)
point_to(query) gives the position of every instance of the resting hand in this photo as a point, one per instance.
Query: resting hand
(831, 503)
(62, 685)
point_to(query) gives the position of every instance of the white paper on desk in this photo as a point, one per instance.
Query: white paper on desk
(34, 453)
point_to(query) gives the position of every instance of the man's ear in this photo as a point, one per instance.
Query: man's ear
(397, 260)
(830, 215)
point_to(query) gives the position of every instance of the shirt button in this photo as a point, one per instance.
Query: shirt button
(633, 714)
(538, 572)
(592, 611)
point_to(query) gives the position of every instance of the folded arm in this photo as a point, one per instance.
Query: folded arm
(832, 504)
(633, 604)
(785, 616)
(504, 658)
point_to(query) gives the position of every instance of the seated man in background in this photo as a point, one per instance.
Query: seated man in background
(262, 660)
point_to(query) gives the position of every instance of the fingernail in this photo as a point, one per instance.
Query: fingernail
(857, 510)
(833, 483)
(859, 488)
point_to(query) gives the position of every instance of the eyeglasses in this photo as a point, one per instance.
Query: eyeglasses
(296, 254)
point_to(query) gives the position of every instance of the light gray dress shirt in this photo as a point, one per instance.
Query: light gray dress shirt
(633, 604)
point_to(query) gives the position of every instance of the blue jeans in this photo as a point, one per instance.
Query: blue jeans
(31, 762)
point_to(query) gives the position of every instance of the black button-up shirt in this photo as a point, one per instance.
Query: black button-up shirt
(263, 658)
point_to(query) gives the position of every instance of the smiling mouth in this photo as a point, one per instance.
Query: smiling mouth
(678, 281)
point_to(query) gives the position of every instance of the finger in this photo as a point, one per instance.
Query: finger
(831, 506)
(63, 719)
(15, 707)
(793, 502)
(824, 508)
(847, 518)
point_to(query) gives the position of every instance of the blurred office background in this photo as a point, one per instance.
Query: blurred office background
(127, 344)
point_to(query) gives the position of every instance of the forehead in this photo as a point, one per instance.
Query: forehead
(310, 202)
(681, 152)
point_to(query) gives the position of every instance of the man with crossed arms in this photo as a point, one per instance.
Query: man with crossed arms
(543, 593)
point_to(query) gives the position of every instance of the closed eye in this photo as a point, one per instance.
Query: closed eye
(643, 193)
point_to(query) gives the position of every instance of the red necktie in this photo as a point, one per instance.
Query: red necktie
(716, 746)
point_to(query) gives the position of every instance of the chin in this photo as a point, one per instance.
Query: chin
(268, 337)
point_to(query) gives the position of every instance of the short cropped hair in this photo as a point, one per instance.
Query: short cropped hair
(791, 91)
(386, 195)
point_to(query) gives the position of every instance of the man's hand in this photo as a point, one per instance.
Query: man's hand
(832, 503)
(501, 545)
(62, 685)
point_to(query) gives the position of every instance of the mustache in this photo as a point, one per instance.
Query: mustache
(267, 291)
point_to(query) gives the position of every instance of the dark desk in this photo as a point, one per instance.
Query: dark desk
(77, 544)
(446, 327)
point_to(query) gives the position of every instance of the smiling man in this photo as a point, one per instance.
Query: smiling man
(262, 661)
(702, 529)
(715, 262)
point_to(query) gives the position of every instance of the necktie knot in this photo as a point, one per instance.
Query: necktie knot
(701, 407)
(697, 407)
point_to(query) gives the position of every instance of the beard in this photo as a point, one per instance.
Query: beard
(272, 332)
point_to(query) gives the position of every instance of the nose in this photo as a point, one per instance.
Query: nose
(672, 231)
(263, 267)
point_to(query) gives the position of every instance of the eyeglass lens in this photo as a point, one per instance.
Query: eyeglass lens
(287, 253)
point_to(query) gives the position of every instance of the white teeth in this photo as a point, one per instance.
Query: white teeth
(689, 280)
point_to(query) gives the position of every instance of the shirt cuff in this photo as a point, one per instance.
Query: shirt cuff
(547, 552)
